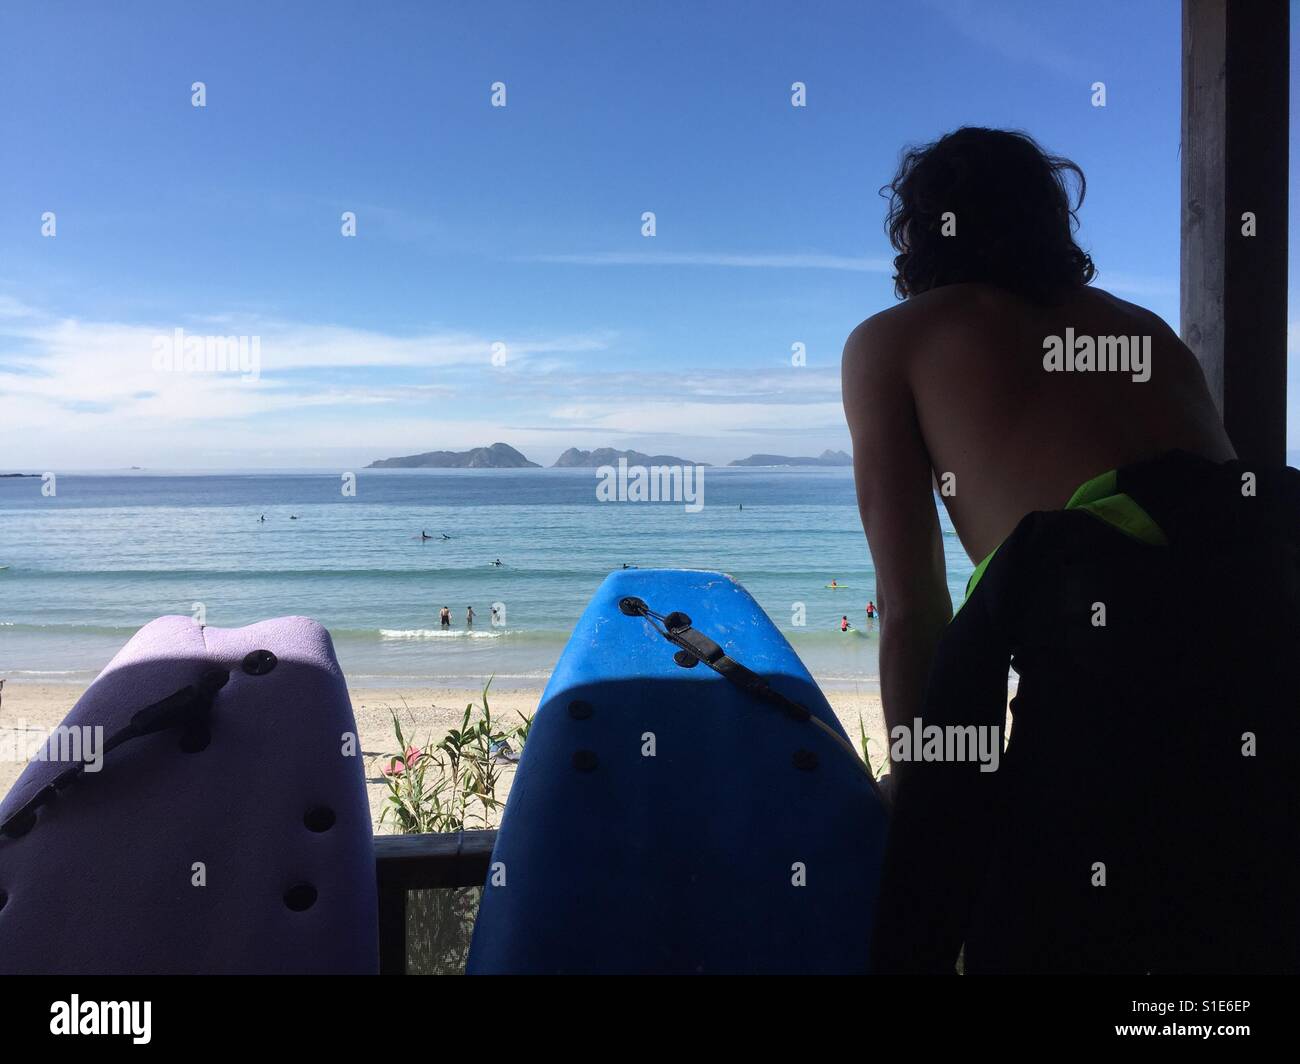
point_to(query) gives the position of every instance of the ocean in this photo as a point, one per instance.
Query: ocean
(109, 552)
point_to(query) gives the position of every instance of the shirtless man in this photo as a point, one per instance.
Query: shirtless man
(951, 389)
(952, 382)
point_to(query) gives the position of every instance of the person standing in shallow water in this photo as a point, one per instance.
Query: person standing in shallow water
(469, 616)
(445, 617)
(1124, 830)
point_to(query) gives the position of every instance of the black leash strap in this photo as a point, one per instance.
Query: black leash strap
(695, 648)
(190, 708)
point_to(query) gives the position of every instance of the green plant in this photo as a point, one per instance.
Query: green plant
(523, 729)
(447, 786)
(451, 785)
(866, 753)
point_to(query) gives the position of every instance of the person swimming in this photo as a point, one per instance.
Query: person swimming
(425, 535)
(262, 518)
(497, 564)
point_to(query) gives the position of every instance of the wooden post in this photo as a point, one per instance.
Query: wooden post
(1236, 58)
(392, 930)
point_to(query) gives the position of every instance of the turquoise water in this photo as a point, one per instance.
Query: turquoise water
(108, 553)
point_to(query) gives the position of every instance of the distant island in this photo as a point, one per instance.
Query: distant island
(826, 458)
(498, 456)
(608, 456)
(503, 456)
(19, 474)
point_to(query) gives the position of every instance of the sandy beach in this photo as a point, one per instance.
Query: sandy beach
(426, 713)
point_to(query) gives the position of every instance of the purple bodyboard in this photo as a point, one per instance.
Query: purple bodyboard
(270, 815)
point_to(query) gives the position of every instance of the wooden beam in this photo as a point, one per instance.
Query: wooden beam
(1236, 59)
(419, 862)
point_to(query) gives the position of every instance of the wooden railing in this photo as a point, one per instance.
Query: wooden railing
(421, 862)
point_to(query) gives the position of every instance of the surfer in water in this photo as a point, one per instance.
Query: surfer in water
(262, 518)
(1122, 830)
(425, 535)
(497, 564)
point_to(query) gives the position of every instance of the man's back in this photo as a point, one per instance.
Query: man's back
(1017, 437)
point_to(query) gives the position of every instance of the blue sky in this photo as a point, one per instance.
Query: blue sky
(518, 225)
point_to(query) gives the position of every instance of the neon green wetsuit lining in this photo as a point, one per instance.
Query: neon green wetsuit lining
(1100, 498)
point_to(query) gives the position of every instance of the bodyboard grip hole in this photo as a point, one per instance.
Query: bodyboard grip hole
(318, 819)
(805, 760)
(300, 898)
(631, 606)
(258, 662)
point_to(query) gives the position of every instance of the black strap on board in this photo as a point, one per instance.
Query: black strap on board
(190, 708)
(697, 648)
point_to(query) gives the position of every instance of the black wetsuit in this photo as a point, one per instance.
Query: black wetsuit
(1127, 745)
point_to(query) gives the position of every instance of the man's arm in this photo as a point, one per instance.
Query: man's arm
(892, 470)
(942, 829)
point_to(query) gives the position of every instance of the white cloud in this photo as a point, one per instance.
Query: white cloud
(82, 394)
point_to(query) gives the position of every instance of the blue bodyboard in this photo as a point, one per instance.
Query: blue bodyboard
(663, 820)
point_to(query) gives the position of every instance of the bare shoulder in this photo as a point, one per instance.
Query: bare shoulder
(1146, 319)
(869, 336)
(892, 335)
(974, 315)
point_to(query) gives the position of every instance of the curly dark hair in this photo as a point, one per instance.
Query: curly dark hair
(1012, 225)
